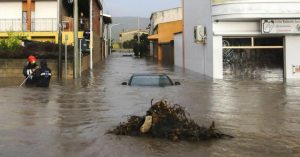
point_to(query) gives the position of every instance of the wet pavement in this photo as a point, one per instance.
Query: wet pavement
(71, 117)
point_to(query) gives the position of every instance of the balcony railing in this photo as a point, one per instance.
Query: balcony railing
(44, 25)
(249, 1)
(255, 9)
(227, 1)
(41, 25)
(11, 25)
(37, 25)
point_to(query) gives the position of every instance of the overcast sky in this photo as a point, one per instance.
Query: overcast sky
(142, 8)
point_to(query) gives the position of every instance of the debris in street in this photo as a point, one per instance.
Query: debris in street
(164, 120)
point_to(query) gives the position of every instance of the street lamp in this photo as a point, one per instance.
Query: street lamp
(111, 26)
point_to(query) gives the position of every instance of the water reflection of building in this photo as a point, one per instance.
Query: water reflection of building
(212, 27)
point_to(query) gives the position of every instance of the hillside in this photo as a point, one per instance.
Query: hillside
(128, 23)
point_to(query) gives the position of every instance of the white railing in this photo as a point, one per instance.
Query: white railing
(254, 9)
(11, 25)
(37, 25)
(44, 25)
(251, 1)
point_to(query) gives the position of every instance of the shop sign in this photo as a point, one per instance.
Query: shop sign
(296, 69)
(280, 26)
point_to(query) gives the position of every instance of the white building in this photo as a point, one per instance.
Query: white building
(247, 20)
(14, 15)
(107, 20)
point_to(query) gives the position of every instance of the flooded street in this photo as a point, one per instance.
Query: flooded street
(70, 118)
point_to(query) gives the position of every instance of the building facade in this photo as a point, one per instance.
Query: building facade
(38, 20)
(237, 26)
(163, 25)
(16, 17)
(107, 20)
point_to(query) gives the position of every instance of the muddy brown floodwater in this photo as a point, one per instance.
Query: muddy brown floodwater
(71, 117)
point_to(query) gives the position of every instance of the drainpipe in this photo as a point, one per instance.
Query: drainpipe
(183, 37)
(29, 3)
(91, 34)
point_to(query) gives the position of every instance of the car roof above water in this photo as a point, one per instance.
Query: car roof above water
(149, 74)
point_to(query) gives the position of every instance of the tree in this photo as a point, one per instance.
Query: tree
(142, 48)
(129, 44)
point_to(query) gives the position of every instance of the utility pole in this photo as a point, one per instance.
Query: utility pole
(76, 53)
(139, 39)
(139, 30)
(66, 56)
(59, 70)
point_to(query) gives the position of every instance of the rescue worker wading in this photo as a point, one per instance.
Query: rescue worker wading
(29, 71)
(43, 75)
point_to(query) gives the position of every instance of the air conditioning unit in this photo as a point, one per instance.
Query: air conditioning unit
(200, 34)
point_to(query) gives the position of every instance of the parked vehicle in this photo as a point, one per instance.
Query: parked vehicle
(156, 80)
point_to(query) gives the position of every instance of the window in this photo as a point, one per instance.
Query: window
(159, 80)
(252, 42)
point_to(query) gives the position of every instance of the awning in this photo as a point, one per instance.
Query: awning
(107, 18)
(153, 37)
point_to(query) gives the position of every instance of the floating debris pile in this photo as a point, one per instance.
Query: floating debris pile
(164, 120)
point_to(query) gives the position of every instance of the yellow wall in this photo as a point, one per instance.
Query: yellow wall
(165, 34)
(45, 36)
(116, 46)
(166, 31)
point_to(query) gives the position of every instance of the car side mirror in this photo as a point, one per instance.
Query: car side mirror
(177, 83)
(124, 83)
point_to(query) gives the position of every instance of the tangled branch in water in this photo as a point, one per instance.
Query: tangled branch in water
(164, 120)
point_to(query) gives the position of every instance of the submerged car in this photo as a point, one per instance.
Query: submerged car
(160, 80)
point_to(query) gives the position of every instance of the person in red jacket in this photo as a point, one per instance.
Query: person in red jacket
(29, 70)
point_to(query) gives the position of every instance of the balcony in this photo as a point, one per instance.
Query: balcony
(254, 9)
(37, 25)
(44, 25)
(11, 25)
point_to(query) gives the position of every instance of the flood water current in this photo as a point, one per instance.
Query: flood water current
(70, 118)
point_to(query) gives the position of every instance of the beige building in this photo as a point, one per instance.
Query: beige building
(129, 35)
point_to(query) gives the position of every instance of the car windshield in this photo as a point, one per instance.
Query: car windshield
(149, 80)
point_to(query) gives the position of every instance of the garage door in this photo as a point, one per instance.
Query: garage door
(253, 57)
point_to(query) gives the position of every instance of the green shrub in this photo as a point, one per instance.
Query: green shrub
(11, 48)
(12, 43)
(3, 45)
